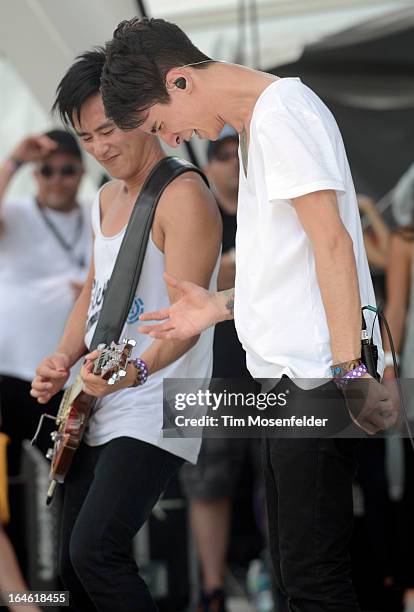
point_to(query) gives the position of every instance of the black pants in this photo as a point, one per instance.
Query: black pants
(108, 495)
(310, 515)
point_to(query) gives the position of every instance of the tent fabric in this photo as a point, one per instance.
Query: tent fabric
(365, 74)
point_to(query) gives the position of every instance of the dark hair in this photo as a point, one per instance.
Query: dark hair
(66, 142)
(138, 59)
(82, 80)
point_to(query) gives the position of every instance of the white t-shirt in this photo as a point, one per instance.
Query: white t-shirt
(295, 148)
(35, 275)
(137, 412)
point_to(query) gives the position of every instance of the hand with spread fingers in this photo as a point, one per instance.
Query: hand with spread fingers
(195, 311)
(370, 404)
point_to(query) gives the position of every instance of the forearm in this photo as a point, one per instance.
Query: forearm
(376, 256)
(72, 342)
(161, 353)
(226, 275)
(380, 229)
(7, 170)
(338, 283)
(395, 317)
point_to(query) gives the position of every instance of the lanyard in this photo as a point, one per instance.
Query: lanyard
(78, 260)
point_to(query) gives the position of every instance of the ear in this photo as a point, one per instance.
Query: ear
(173, 75)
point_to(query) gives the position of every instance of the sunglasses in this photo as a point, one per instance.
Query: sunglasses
(47, 170)
(226, 155)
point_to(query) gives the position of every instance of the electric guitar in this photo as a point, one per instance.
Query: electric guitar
(75, 409)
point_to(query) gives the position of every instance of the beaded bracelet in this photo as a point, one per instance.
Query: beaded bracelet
(142, 371)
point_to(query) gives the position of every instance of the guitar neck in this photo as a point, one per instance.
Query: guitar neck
(69, 396)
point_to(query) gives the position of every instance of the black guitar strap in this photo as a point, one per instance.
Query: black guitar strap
(123, 283)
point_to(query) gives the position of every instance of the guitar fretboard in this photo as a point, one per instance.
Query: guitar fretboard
(68, 398)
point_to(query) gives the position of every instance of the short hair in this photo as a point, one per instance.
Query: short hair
(81, 81)
(138, 59)
(66, 143)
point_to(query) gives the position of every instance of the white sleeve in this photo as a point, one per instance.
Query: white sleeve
(298, 153)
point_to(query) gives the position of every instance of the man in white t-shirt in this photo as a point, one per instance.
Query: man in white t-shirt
(45, 245)
(124, 463)
(301, 276)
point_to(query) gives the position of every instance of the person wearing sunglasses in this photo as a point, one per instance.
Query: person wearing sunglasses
(45, 243)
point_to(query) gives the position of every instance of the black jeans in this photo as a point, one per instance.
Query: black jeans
(310, 516)
(108, 495)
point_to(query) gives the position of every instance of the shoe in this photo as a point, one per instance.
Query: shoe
(214, 601)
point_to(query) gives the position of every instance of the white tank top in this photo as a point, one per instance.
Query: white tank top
(138, 412)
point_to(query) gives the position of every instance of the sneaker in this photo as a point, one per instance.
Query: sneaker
(214, 601)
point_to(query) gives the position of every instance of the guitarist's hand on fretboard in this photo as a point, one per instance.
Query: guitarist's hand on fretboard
(51, 376)
(97, 386)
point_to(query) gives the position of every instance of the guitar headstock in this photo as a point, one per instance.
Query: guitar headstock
(112, 362)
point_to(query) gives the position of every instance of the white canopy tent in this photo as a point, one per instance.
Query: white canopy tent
(40, 38)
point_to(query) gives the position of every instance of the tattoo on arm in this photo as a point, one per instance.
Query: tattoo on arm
(229, 293)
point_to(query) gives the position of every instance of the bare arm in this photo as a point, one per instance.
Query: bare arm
(336, 271)
(189, 232)
(375, 256)
(72, 343)
(7, 170)
(371, 408)
(376, 245)
(191, 227)
(32, 148)
(398, 280)
(227, 272)
(380, 228)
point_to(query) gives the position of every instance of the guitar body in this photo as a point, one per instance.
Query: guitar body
(76, 407)
(69, 435)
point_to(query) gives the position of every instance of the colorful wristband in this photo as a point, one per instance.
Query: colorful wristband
(142, 371)
(340, 369)
(357, 372)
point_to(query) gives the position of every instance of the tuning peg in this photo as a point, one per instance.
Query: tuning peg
(101, 346)
(113, 379)
(49, 453)
(131, 342)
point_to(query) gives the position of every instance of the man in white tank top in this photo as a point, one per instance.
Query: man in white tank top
(124, 463)
(301, 278)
